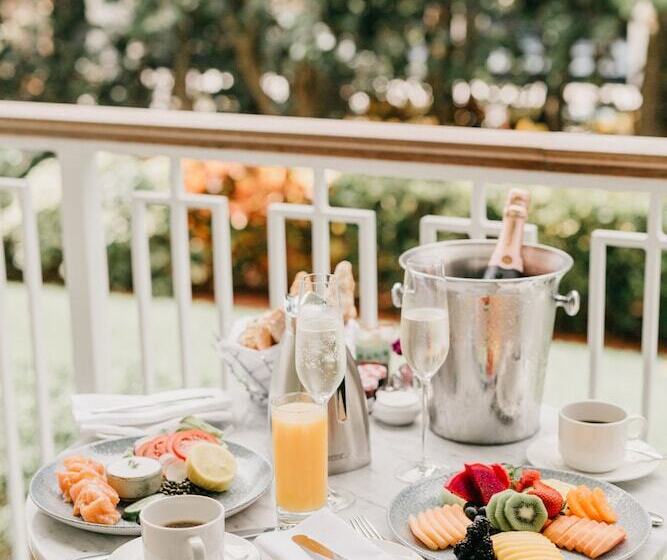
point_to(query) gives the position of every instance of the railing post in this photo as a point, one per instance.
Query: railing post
(180, 269)
(10, 415)
(478, 216)
(277, 255)
(86, 274)
(596, 310)
(320, 223)
(651, 303)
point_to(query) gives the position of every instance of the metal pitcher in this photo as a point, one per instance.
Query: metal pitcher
(489, 390)
(349, 442)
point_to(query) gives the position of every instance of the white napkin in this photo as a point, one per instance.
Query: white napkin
(328, 529)
(90, 409)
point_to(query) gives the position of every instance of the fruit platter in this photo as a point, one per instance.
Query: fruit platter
(103, 487)
(501, 512)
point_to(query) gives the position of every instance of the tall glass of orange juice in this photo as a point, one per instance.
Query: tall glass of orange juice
(300, 456)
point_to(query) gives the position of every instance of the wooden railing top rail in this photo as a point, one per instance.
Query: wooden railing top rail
(558, 152)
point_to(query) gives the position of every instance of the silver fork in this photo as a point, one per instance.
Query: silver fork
(364, 527)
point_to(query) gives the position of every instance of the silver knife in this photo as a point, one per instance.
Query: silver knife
(313, 546)
(253, 532)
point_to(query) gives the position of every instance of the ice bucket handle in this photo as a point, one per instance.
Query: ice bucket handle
(570, 302)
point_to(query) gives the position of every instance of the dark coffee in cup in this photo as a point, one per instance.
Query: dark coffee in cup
(183, 524)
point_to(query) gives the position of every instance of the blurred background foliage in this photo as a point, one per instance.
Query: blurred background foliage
(556, 64)
(579, 65)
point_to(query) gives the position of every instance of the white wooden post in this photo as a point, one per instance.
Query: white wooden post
(10, 415)
(320, 223)
(86, 273)
(277, 255)
(478, 217)
(141, 286)
(596, 309)
(651, 305)
(32, 276)
(180, 269)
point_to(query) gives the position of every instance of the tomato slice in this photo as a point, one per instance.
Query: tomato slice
(181, 442)
(154, 448)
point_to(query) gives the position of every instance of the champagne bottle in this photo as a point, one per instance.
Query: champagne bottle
(506, 262)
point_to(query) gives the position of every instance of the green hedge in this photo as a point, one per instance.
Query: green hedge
(565, 218)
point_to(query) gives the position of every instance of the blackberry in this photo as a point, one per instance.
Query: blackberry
(477, 544)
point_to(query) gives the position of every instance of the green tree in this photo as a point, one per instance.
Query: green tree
(382, 59)
(653, 121)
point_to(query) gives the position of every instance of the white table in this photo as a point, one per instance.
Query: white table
(374, 487)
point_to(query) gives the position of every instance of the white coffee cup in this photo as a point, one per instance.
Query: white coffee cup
(203, 541)
(593, 435)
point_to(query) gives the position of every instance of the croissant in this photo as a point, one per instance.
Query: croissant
(256, 336)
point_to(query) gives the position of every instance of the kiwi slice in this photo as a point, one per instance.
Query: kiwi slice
(495, 510)
(525, 512)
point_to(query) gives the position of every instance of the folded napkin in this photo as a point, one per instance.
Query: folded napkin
(328, 529)
(132, 414)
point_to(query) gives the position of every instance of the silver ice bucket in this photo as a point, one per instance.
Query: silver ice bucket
(489, 390)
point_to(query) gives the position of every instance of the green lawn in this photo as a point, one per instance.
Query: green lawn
(566, 379)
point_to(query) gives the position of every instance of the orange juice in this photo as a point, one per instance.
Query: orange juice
(299, 428)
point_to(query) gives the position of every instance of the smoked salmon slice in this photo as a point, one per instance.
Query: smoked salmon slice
(592, 538)
(84, 483)
(94, 507)
(99, 485)
(441, 527)
(67, 479)
(76, 462)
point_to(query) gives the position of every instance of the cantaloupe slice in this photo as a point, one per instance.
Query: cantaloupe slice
(573, 503)
(602, 505)
(590, 504)
(416, 529)
(586, 500)
(439, 528)
(592, 538)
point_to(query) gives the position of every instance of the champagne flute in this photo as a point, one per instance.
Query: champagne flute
(320, 352)
(424, 340)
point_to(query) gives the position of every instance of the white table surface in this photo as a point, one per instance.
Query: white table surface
(374, 487)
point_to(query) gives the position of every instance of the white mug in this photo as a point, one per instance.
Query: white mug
(593, 435)
(204, 541)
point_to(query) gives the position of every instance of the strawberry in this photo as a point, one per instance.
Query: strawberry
(463, 486)
(485, 480)
(551, 497)
(528, 478)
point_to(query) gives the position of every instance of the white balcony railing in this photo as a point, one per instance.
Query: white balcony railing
(76, 133)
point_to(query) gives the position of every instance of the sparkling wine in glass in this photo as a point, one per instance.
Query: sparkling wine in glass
(320, 351)
(424, 340)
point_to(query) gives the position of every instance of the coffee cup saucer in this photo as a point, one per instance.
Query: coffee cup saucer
(236, 548)
(543, 452)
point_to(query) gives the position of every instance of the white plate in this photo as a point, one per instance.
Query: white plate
(426, 494)
(543, 453)
(253, 478)
(236, 549)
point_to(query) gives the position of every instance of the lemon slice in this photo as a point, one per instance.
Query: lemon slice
(211, 466)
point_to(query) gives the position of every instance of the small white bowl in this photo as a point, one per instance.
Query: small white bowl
(396, 408)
